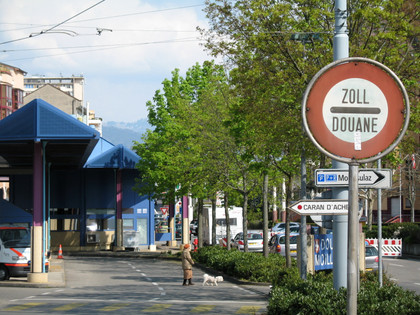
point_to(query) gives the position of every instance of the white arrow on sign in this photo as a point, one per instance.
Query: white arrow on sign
(320, 207)
(368, 178)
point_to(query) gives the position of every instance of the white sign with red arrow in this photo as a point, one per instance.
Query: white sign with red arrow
(320, 207)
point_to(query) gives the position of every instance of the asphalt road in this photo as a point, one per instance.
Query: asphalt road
(132, 286)
(404, 271)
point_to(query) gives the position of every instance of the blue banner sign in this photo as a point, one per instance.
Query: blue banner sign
(323, 251)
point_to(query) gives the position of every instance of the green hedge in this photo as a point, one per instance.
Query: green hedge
(317, 295)
(292, 295)
(408, 232)
(245, 266)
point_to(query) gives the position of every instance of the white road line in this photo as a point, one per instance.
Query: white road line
(396, 265)
(138, 270)
(416, 283)
(154, 283)
(245, 290)
(143, 274)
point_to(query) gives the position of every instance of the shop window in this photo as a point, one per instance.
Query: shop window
(128, 224)
(142, 230)
(60, 225)
(100, 219)
(65, 219)
(128, 211)
(100, 224)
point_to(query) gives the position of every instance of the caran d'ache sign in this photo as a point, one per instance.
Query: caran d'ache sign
(354, 109)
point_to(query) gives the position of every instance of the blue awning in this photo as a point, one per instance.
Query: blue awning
(118, 157)
(68, 142)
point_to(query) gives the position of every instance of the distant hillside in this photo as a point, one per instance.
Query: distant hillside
(124, 133)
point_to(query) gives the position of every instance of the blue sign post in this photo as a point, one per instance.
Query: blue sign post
(323, 251)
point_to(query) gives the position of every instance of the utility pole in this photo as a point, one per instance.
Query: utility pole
(340, 222)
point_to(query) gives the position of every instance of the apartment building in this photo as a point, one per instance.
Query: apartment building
(74, 85)
(11, 89)
(65, 93)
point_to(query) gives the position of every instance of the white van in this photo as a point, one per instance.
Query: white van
(235, 219)
(15, 252)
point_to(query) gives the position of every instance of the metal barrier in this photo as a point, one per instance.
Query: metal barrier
(391, 247)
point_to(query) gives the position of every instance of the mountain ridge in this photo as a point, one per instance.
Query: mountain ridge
(125, 132)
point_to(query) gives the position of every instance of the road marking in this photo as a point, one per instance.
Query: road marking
(245, 290)
(157, 308)
(21, 307)
(396, 265)
(416, 283)
(114, 307)
(248, 310)
(202, 308)
(69, 307)
(154, 283)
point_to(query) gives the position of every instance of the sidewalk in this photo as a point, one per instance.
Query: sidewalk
(56, 274)
(56, 277)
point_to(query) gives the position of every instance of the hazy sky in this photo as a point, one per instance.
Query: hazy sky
(123, 48)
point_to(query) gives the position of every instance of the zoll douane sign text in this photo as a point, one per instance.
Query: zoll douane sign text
(355, 109)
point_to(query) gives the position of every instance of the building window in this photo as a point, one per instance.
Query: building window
(65, 219)
(100, 219)
(60, 225)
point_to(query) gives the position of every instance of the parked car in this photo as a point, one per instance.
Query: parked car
(194, 227)
(277, 244)
(161, 227)
(255, 242)
(178, 231)
(281, 227)
(371, 258)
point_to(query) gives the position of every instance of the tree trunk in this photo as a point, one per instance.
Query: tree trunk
(287, 241)
(275, 216)
(265, 215)
(200, 222)
(245, 218)
(228, 237)
(213, 217)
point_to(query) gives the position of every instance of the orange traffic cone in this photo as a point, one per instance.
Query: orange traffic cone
(60, 253)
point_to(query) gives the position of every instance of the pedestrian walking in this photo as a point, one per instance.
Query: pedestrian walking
(187, 263)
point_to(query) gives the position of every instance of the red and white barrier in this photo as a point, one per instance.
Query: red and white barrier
(391, 247)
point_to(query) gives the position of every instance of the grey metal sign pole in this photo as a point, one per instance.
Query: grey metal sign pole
(353, 242)
(340, 224)
(380, 231)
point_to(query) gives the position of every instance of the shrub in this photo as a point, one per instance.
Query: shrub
(246, 266)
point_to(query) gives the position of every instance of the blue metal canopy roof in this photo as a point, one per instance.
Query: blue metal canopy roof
(117, 157)
(38, 120)
(67, 141)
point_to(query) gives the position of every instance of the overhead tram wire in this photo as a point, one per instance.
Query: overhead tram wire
(104, 47)
(53, 27)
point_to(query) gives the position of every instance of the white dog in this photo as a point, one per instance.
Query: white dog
(210, 280)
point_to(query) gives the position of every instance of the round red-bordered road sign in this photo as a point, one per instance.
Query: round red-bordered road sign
(355, 109)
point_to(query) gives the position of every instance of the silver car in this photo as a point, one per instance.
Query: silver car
(255, 242)
(371, 258)
(277, 244)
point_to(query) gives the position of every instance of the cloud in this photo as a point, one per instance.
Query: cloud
(122, 48)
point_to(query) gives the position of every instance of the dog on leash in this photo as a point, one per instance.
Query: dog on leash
(210, 280)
